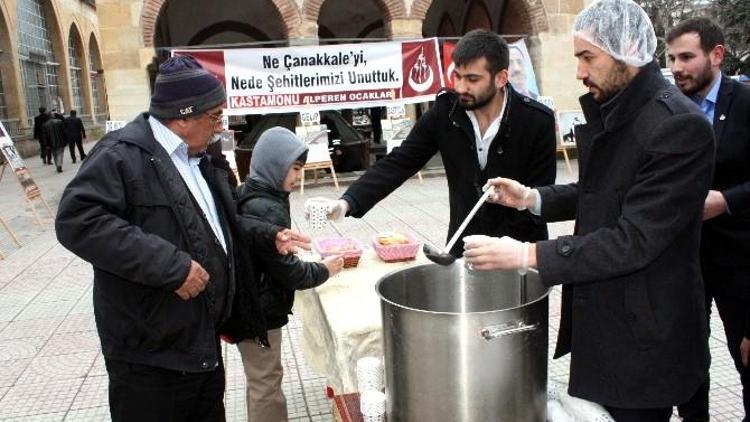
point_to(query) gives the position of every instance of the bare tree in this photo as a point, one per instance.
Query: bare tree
(664, 15)
(732, 15)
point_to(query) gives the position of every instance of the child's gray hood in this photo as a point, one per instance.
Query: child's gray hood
(274, 153)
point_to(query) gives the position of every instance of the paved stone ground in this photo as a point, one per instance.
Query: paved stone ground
(52, 368)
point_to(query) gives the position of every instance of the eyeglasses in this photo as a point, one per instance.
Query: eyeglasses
(215, 117)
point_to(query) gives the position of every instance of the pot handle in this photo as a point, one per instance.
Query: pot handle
(496, 331)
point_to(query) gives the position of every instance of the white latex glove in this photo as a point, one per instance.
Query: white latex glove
(493, 253)
(511, 193)
(556, 413)
(584, 411)
(337, 210)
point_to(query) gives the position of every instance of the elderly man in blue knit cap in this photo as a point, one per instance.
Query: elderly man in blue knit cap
(157, 221)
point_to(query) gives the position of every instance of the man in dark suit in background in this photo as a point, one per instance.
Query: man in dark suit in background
(44, 150)
(75, 134)
(696, 50)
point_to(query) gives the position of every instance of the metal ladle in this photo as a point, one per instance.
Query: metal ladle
(443, 257)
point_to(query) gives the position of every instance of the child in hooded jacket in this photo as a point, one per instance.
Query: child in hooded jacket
(278, 159)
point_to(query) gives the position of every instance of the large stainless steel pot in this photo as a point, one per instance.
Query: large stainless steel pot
(464, 346)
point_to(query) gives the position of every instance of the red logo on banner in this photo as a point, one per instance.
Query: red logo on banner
(421, 68)
(211, 60)
(448, 64)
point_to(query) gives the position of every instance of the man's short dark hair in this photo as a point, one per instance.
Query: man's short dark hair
(73, 113)
(42, 110)
(708, 31)
(482, 43)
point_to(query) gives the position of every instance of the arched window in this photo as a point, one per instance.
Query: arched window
(477, 17)
(97, 82)
(39, 68)
(76, 71)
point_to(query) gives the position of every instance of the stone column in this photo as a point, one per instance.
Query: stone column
(558, 66)
(305, 34)
(124, 57)
(404, 28)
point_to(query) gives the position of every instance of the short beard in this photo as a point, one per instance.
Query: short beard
(480, 102)
(616, 80)
(702, 80)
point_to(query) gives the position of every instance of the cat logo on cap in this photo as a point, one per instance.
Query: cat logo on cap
(187, 110)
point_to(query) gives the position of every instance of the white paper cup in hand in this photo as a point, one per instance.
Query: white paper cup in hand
(370, 375)
(317, 212)
(372, 406)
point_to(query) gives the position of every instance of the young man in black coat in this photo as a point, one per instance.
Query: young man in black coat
(696, 51)
(633, 308)
(482, 130)
(158, 223)
(75, 133)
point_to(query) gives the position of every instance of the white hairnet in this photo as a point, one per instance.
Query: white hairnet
(619, 27)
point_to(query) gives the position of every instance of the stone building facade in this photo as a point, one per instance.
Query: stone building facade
(50, 56)
(134, 33)
(99, 57)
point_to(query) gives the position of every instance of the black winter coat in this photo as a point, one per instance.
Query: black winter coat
(130, 215)
(633, 310)
(278, 276)
(74, 130)
(524, 150)
(38, 123)
(53, 132)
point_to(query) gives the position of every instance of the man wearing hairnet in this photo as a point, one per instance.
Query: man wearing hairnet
(633, 309)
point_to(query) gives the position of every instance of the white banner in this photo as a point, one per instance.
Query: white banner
(276, 80)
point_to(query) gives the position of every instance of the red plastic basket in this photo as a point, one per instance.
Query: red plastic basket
(399, 252)
(349, 248)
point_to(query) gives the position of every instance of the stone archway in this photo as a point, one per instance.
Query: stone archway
(446, 28)
(227, 25)
(532, 11)
(98, 84)
(343, 19)
(477, 16)
(11, 88)
(392, 9)
(80, 94)
(152, 8)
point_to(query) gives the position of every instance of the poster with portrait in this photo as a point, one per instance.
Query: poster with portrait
(16, 163)
(566, 122)
(521, 71)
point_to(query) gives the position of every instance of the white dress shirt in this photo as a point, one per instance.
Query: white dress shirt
(190, 173)
(484, 141)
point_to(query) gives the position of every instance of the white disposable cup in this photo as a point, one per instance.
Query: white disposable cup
(372, 405)
(373, 418)
(370, 375)
(317, 212)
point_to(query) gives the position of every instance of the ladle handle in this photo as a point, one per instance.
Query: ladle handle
(468, 218)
